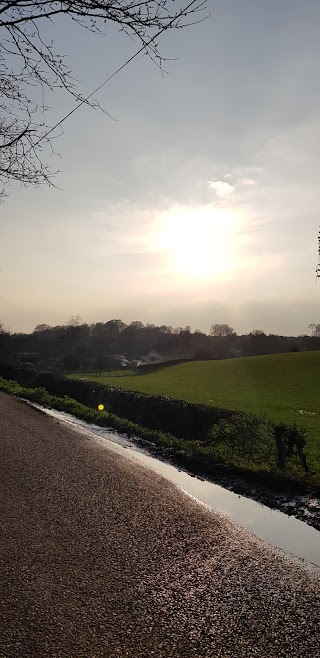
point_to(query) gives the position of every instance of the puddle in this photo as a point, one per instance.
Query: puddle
(273, 526)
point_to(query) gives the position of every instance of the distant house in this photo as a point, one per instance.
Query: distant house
(124, 362)
(152, 357)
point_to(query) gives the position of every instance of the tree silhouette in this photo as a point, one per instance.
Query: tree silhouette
(29, 63)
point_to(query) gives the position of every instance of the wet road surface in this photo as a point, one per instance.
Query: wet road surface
(101, 557)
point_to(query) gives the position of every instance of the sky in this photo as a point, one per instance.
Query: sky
(199, 203)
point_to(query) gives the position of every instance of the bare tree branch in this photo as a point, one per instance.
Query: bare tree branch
(28, 62)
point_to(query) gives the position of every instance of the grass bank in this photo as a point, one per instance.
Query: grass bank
(102, 418)
(282, 387)
(242, 445)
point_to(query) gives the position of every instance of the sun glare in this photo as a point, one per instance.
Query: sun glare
(198, 241)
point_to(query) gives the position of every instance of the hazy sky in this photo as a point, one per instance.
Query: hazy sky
(200, 204)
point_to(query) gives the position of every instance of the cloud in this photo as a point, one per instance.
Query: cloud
(248, 181)
(221, 188)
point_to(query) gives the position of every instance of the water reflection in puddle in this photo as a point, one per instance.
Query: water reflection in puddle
(273, 526)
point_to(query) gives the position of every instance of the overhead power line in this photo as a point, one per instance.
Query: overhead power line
(128, 61)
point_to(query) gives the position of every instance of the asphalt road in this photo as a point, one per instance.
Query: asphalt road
(100, 557)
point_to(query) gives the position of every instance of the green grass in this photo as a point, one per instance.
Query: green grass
(277, 386)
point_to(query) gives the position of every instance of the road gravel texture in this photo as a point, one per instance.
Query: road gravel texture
(101, 557)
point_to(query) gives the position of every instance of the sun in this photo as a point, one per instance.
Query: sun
(198, 241)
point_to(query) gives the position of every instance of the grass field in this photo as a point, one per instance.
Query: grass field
(277, 386)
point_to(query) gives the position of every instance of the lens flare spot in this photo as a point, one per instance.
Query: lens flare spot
(101, 407)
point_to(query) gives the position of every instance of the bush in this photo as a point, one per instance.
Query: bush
(290, 441)
(245, 437)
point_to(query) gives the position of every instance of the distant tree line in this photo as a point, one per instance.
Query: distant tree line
(77, 344)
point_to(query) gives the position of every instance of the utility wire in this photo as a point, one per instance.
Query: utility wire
(144, 47)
